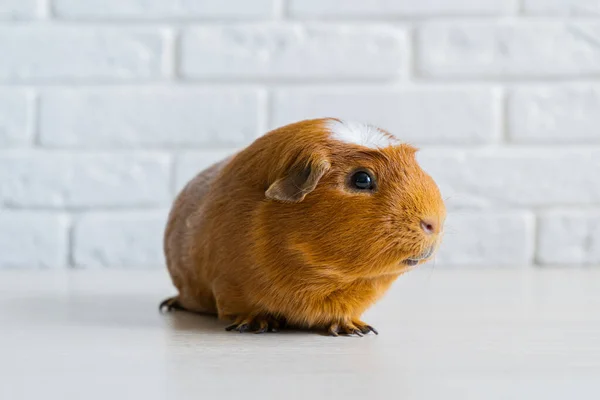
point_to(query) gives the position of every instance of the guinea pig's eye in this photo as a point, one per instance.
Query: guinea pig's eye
(361, 180)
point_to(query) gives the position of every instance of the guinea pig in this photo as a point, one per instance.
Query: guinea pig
(307, 227)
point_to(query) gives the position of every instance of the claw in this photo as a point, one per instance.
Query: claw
(256, 324)
(263, 326)
(334, 330)
(350, 328)
(170, 304)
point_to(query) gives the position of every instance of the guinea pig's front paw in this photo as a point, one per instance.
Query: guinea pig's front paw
(353, 327)
(170, 304)
(260, 323)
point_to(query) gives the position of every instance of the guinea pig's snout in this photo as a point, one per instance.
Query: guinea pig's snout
(431, 226)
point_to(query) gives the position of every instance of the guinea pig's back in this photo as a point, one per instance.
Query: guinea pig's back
(188, 201)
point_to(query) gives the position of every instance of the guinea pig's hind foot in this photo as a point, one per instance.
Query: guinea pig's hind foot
(170, 304)
(354, 327)
(257, 324)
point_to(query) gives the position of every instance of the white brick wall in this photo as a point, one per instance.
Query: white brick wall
(162, 9)
(562, 7)
(74, 180)
(419, 113)
(474, 238)
(520, 49)
(296, 51)
(568, 237)
(565, 114)
(47, 53)
(18, 9)
(400, 8)
(108, 107)
(33, 239)
(133, 243)
(517, 177)
(157, 117)
(16, 118)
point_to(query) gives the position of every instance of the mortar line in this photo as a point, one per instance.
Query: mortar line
(534, 257)
(519, 8)
(266, 110)
(46, 9)
(173, 165)
(502, 115)
(71, 264)
(281, 10)
(412, 72)
(170, 60)
(36, 102)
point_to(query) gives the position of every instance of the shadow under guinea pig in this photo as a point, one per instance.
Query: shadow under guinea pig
(114, 311)
(193, 322)
(185, 321)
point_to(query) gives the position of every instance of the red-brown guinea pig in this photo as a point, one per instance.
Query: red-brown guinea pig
(308, 226)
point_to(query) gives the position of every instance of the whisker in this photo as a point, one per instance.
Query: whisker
(431, 269)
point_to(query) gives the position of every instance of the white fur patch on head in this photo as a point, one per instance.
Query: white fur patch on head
(360, 134)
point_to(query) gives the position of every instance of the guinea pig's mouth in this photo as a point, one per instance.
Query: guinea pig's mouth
(411, 262)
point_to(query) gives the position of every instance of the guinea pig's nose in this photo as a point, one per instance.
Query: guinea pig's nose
(430, 226)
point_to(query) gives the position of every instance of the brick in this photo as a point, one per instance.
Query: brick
(131, 240)
(148, 117)
(569, 238)
(55, 180)
(160, 9)
(18, 9)
(32, 239)
(478, 49)
(555, 114)
(382, 8)
(583, 8)
(78, 53)
(16, 118)
(487, 239)
(294, 51)
(502, 178)
(189, 165)
(421, 116)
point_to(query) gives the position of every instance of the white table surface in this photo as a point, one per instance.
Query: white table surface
(444, 334)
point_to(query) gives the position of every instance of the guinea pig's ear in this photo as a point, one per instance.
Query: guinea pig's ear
(300, 180)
